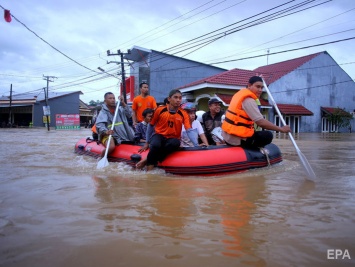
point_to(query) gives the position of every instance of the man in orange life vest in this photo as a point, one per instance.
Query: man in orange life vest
(243, 112)
(167, 123)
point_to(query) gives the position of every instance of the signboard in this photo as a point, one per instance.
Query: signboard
(45, 119)
(46, 111)
(67, 122)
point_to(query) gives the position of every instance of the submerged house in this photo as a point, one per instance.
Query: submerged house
(306, 89)
(28, 109)
(163, 72)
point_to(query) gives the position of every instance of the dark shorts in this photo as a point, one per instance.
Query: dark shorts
(160, 147)
(259, 139)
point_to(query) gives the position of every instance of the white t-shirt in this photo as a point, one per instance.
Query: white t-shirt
(185, 140)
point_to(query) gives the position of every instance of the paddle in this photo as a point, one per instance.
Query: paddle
(302, 157)
(104, 162)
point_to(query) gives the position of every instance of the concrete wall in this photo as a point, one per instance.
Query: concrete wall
(166, 72)
(68, 104)
(320, 82)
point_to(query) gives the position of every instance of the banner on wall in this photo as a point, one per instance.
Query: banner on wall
(67, 122)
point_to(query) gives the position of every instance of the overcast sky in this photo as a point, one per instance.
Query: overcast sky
(83, 30)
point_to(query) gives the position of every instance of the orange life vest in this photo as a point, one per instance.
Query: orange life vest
(93, 129)
(237, 121)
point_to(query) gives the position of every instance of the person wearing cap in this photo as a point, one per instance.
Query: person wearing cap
(242, 113)
(167, 123)
(142, 102)
(212, 118)
(196, 126)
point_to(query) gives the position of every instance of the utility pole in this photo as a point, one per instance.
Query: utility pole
(46, 110)
(119, 53)
(10, 110)
(267, 57)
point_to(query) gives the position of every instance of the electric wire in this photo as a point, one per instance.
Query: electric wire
(49, 43)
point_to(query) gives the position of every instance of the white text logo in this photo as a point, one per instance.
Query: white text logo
(335, 254)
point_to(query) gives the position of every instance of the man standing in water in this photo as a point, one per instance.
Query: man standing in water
(142, 102)
(167, 122)
(121, 131)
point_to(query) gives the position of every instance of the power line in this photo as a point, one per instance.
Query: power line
(166, 23)
(94, 80)
(267, 18)
(220, 29)
(49, 43)
(285, 51)
(208, 40)
(286, 44)
(197, 20)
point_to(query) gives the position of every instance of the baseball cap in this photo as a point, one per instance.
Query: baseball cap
(214, 100)
(189, 106)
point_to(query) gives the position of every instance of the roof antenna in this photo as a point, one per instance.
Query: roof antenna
(267, 57)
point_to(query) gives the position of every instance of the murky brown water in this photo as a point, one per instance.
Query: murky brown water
(58, 210)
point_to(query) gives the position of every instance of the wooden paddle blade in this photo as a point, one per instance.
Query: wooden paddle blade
(102, 163)
(306, 165)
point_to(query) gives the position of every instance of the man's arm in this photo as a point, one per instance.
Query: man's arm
(251, 108)
(101, 122)
(150, 131)
(134, 118)
(265, 124)
(193, 136)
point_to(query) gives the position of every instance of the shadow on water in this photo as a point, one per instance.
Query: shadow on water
(183, 210)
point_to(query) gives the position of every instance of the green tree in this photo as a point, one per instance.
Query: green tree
(340, 118)
(95, 103)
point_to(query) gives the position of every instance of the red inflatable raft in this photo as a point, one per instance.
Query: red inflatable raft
(213, 160)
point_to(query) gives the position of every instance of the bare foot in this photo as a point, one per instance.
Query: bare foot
(150, 167)
(140, 165)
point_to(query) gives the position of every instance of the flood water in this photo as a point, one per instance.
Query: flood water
(57, 209)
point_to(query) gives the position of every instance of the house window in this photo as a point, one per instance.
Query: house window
(327, 126)
(296, 124)
(277, 121)
(287, 120)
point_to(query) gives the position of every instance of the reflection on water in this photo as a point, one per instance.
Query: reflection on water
(57, 209)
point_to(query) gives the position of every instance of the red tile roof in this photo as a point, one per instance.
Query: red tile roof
(237, 77)
(228, 98)
(240, 77)
(275, 71)
(330, 110)
(286, 109)
(289, 109)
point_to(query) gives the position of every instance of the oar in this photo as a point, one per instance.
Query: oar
(302, 157)
(104, 162)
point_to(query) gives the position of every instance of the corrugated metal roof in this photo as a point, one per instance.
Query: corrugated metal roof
(14, 105)
(35, 97)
